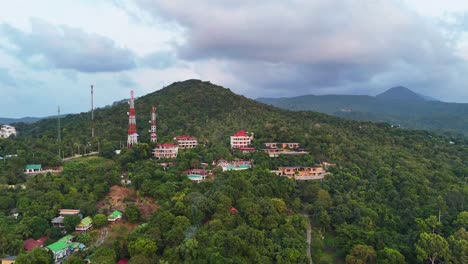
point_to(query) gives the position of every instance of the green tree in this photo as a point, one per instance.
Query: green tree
(390, 256)
(132, 213)
(142, 246)
(99, 220)
(104, 255)
(432, 247)
(74, 260)
(361, 254)
(36, 256)
(70, 222)
(459, 246)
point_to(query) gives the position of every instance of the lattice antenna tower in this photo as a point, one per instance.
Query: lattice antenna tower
(132, 138)
(152, 130)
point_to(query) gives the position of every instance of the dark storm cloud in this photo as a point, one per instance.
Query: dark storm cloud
(68, 48)
(312, 45)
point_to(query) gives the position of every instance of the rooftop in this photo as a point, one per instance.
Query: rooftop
(66, 238)
(166, 145)
(68, 211)
(30, 244)
(241, 133)
(57, 246)
(115, 214)
(33, 166)
(87, 221)
(185, 137)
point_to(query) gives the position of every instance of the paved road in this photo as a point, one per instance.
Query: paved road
(103, 236)
(79, 156)
(309, 237)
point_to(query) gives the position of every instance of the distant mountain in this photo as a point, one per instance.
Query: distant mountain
(397, 106)
(6, 121)
(400, 93)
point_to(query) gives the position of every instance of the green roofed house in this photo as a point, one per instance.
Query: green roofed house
(85, 224)
(116, 215)
(33, 168)
(59, 249)
(67, 238)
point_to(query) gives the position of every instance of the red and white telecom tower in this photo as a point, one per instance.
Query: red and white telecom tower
(132, 138)
(154, 136)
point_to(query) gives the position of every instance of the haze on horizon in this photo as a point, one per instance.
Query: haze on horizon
(51, 53)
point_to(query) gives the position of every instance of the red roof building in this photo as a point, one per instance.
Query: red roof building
(30, 244)
(122, 261)
(166, 150)
(186, 142)
(241, 139)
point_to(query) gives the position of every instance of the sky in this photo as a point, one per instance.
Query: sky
(51, 51)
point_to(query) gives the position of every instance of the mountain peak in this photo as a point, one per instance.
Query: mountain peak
(400, 93)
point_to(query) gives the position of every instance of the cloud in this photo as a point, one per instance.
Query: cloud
(6, 80)
(159, 60)
(67, 48)
(318, 46)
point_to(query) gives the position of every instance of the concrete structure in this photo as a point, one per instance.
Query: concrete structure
(59, 249)
(58, 221)
(85, 224)
(186, 142)
(274, 149)
(166, 150)
(302, 173)
(198, 175)
(62, 248)
(6, 131)
(8, 260)
(33, 168)
(115, 216)
(234, 165)
(30, 244)
(291, 145)
(241, 139)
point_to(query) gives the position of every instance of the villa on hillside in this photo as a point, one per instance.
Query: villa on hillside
(58, 221)
(64, 247)
(85, 224)
(186, 142)
(275, 149)
(302, 173)
(234, 165)
(33, 168)
(241, 139)
(166, 150)
(30, 244)
(60, 248)
(276, 145)
(198, 175)
(116, 215)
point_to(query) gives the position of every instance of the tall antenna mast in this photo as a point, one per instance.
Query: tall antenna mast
(92, 112)
(132, 138)
(154, 137)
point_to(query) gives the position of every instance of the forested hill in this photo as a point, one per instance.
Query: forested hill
(384, 192)
(397, 106)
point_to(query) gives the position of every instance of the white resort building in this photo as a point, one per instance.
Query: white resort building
(186, 142)
(241, 139)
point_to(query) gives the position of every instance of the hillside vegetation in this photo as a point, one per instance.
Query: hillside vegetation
(382, 200)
